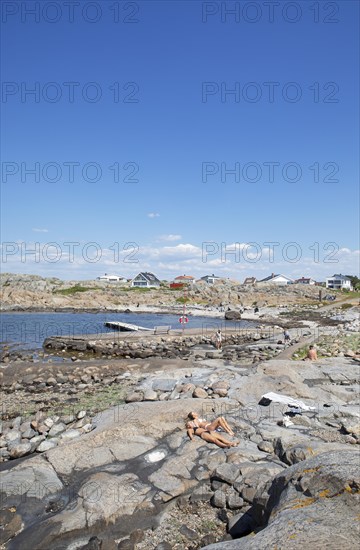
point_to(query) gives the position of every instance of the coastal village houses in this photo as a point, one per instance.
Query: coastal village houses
(277, 279)
(339, 282)
(145, 280)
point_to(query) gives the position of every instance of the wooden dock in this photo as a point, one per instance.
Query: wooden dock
(125, 327)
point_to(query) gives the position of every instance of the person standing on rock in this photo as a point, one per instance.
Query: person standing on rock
(286, 337)
(218, 340)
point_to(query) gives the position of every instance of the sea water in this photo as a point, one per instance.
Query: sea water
(29, 330)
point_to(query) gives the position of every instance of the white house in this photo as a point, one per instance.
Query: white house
(211, 279)
(305, 281)
(277, 279)
(339, 282)
(112, 278)
(145, 280)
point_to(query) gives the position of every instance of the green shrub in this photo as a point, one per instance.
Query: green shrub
(182, 300)
(73, 290)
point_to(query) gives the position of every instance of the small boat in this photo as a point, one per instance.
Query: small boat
(124, 327)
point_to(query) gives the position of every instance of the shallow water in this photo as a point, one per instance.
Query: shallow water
(29, 330)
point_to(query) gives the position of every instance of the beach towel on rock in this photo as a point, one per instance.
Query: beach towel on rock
(278, 398)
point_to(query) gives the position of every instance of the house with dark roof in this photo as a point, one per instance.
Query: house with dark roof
(145, 280)
(277, 279)
(211, 279)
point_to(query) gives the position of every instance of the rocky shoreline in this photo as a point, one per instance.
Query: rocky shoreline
(95, 454)
(34, 293)
(179, 483)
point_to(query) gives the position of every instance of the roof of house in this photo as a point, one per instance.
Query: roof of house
(150, 277)
(187, 277)
(107, 275)
(304, 279)
(274, 276)
(249, 280)
(212, 276)
(339, 276)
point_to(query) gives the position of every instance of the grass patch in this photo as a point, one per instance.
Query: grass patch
(346, 306)
(355, 294)
(102, 399)
(182, 300)
(138, 289)
(301, 353)
(74, 290)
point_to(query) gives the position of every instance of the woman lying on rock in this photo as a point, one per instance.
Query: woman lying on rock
(213, 437)
(206, 430)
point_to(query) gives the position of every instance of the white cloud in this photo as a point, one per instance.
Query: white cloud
(182, 250)
(37, 230)
(170, 237)
(170, 260)
(153, 215)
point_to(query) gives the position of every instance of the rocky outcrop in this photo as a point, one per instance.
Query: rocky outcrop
(22, 292)
(311, 504)
(138, 461)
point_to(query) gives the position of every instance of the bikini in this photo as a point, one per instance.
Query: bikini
(194, 424)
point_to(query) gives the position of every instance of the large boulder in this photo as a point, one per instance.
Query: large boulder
(232, 315)
(313, 504)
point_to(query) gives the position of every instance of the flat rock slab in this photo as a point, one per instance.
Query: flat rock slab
(104, 449)
(35, 478)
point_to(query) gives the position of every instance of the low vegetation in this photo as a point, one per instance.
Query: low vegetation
(136, 289)
(100, 400)
(182, 300)
(327, 346)
(74, 290)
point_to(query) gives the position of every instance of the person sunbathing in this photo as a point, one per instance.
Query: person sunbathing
(211, 437)
(197, 422)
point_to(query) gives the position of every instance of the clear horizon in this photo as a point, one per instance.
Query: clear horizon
(180, 138)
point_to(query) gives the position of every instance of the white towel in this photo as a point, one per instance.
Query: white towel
(277, 398)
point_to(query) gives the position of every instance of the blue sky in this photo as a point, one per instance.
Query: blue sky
(150, 100)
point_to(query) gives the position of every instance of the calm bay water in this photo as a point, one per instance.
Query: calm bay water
(29, 330)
